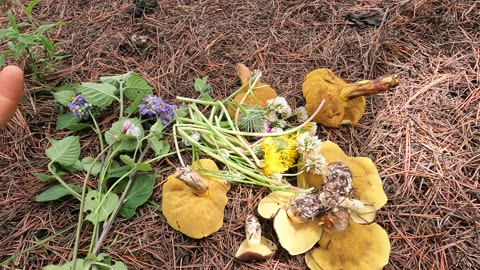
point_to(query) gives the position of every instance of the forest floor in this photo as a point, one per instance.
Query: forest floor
(424, 135)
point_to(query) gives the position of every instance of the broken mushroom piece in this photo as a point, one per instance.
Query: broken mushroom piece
(259, 95)
(195, 209)
(361, 247)
(344, 102)
(255, 247)
(366, 182)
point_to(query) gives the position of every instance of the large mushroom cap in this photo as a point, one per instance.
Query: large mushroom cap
(366, 180)
(360, 247)
(195, 215)
(270, 204)
(260, 94)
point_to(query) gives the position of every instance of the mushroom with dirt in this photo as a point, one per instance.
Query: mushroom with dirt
(344, 102)
(255, 247)
(194, 199)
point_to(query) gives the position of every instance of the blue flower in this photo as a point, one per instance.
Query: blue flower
(79, 107)
(153, 106)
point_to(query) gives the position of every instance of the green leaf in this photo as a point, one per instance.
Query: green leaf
(136, 86)
(79, 264)
(45, 27)
(118, 172)
(97, 212)
(64, 97)
(27, 39)
(119, 266)
(71, 122)
(98, 94)
(30, 6)
(133, 107)
(18, 51)
(47, 44)
(12, 22)
(157, 129)
(114, 135)
(76, 167)
(116, 80)
(136, 166)
(139, 193)
(206, 97)
(88, 162)
(56, 192)
(201, 86)
(161, 147)
(44, 177)
(66, 151)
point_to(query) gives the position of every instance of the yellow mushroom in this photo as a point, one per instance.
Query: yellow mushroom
(344, 102)
(366, 181)
(297, 236)
(360, 247)
(257, 98)
(255, 247)
(196, 209)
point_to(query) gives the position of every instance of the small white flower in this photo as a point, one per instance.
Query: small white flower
(272, 117)
(312, 128)
(280, 106)
(195, 136)
(302, 114)
(130, 129)
(276, 130)
(315, 163)
(306, 143)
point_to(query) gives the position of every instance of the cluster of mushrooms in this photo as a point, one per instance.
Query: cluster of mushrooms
(332, 222)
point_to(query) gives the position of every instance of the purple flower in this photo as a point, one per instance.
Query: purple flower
(153, 106)
(79, 107)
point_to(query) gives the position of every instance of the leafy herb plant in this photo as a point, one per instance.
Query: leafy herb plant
(120, 178)
(28, 40)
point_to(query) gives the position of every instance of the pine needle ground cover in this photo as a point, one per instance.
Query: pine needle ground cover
(423, 136)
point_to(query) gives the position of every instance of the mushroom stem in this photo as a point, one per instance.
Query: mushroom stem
(253, 230)
(192, 179)
(370, 87)
(351, 204)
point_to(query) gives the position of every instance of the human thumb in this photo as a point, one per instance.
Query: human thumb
(11, 90)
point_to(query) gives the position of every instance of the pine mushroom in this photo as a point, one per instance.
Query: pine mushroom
(259, 95)
(344, 102)
(255, 247)
(194, 199)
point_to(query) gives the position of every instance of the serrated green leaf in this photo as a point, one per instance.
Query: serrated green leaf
(95, 211)
(79, 264)
(160, 147)
(98, 94)
(66, 151)
(114, 135)
(18, 51)
(56, 192)
(44, 177)
(64, 97)
(88, 162)
(136, 86)
(139, 193)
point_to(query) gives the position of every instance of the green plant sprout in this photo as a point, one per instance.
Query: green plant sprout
(218, 136)
(123, 174)
(28, 40)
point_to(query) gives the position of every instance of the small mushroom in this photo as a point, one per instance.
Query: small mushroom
(257, 98)
(361, 247)
(195, 209)
(344, 102)
(255, 247)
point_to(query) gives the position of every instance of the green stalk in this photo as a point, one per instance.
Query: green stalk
(60, 180)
